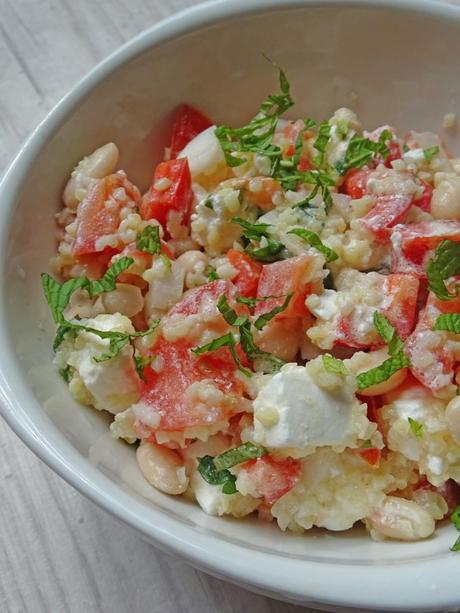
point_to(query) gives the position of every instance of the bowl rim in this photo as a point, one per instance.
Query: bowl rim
(422, 586)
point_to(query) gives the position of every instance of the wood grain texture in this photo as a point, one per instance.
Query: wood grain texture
(59, 552)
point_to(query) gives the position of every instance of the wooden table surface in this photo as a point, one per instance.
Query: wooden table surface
(59, 552)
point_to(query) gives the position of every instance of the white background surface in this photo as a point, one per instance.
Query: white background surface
(59, 552)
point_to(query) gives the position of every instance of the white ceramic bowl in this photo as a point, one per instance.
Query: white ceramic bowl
(393, 61)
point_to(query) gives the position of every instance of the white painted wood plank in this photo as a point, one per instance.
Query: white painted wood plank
(59, 552)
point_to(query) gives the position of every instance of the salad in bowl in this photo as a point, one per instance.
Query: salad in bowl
(275, 322)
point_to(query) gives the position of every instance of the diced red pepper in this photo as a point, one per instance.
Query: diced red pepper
(247, 279)
(189, 123)
(272, 477)
(177, 195)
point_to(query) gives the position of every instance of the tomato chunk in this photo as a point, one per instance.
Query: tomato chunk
(247, 279)
(189, 123)
(395, 153)
(175, 194)
(272, 477)
(372, 456)
(205, 296)
(424, 202)
(432, 358)
(414, 245)
(165, 391)
(386, 213)
(355, 182)
(98, 214)
(278, 279)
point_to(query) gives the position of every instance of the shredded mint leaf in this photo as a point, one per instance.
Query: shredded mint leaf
(450, 322)
(66, 373)
(116, 345)
(238, 455)
(367, 444)
(266, 317)
(149, 240)
(140, 362)
(334, 365)
(444, 264)
(108, 281)
(455, 517)
(456, 545)
(227, 340)
(212, 273)
(256, 136)
(252, 302)
(361, 151)
(342, 128)
(252, 231)
(415, 426)
(58, 296)
(388, 333)
(320, 144)
(267, 362)
(384, 371)
(314, 240)
(268, 253)
(321, 181)
(230, 316)
(211, 475)
(430, 152)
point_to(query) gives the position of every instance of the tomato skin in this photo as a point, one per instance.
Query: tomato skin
(386, 213)
(371, 455)
(355, 182)
(156, 204)
(413, 245)
(273, 477)
(395, 153)
(165, 391)
(280, 278)
(424, 202)
(189, 122)
(95, 219)
(247, 279)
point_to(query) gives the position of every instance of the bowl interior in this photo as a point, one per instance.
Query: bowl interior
(390, 66)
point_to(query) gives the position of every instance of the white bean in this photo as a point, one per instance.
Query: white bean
(97, 165)
(453, 418)
(445, 203)
(402, 519)
(162, 467)
(190, 259)
(126, 299)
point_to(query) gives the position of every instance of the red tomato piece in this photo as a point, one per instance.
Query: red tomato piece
(395, 153)
(165, 391)
(272, 477)
(413, 245)
(178, 196)
(247, 279)
(398, 305)
(386, 213)
(371, 455)
(432, 359)
(424, 202)
(208, 293)
(280, 278)
(291, 132)
(401, 293)
(355, 182)
(189, 123)
(98, 214)
(94, 265)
